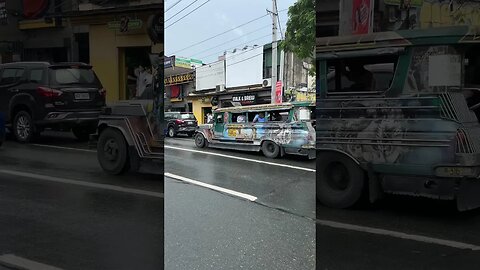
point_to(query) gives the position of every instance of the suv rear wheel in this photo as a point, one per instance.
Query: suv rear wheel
(171, 132)
(23, 127)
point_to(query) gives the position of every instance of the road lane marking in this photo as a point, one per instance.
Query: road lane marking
(85, 184)
(396, 234)
(194, 151)
(213, 187)
(64, 148)
(10, 260)
(241, 158)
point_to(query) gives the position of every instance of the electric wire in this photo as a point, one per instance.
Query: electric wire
(222, 33)
(188, 13)
(170, 7)
(189, 5)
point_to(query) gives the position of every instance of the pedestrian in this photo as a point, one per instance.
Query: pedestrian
(209, 118)
(260, 118)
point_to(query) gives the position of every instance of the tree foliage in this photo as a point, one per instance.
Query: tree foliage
(300, 32)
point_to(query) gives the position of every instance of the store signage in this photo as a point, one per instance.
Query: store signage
(3, 13)
(33, 9)
(179, 79)
(278, 92)
(246, 99)
(169, 62)
(187, 62)
(125, 24)
(155, 28)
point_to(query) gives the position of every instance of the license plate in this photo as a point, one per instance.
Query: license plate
(82, 96)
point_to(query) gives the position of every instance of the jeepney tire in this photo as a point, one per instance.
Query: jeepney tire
(200, 140)
(171, 132)
(24, 120)
(112, 152)
(340, 181)
(270, 149)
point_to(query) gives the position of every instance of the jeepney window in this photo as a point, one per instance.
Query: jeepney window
(219, 119)
(361, 74)
(278, 116)
(256, 117)
(303, 114)
(239, 117)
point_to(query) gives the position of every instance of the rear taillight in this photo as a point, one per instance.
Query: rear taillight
(178, 121)
(48, 92)
(102, 92)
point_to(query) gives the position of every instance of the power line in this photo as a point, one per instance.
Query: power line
(217, 35)
(188, 13)
(181, 10)
(254, 31)
(173, 5)
(246, 59)
(232, 48)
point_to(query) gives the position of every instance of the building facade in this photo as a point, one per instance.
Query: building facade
(117, 37)
(243, 77)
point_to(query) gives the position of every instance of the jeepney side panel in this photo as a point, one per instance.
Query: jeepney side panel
(290, 134)
(398, 134)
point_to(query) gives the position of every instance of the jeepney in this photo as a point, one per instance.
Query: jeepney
(287, 129)
(417, 136)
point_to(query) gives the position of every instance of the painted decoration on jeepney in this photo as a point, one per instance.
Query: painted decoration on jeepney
(431, 13)
(419, 77)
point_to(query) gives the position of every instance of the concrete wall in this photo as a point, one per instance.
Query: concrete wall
(105, 55)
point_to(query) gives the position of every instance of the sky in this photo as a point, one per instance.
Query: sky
(216, 17)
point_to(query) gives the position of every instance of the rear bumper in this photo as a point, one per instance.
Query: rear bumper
(70, 118)
(187, 129)
(304, 151)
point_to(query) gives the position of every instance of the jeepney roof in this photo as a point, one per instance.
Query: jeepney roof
(266, 107)
(401, 38)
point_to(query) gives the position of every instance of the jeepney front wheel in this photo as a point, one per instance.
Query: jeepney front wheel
(340, 181)
(200, 140)
(112, 152)
(270, 149)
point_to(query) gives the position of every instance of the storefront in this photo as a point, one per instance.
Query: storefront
(120, 46)
(205, 102)
(177, 89)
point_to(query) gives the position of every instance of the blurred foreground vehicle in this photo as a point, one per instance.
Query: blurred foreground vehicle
(415, 132)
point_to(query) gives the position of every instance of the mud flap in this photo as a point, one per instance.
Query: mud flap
(134, 159)
(375, 191)
(468, 195)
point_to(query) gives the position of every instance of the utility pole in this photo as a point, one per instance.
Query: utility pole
(274, 50)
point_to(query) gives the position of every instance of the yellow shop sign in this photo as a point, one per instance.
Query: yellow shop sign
(179, 79)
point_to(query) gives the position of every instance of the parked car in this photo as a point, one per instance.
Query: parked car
(180, 123)
(2, 129)
(39, 95)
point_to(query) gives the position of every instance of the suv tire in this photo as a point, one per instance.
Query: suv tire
(23, 127)
(171, 132)
(112, 152)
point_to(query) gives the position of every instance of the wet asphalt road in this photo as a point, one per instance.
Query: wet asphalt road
(350, 248)
(77, 226)
(206, 229)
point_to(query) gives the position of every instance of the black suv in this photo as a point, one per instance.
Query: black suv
(38, 95)
(179, 122)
